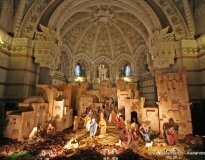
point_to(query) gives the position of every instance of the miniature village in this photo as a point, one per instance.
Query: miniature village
(111, 122)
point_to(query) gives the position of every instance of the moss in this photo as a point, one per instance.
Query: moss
(23, 155)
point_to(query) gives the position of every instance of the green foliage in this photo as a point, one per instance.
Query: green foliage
(3, 121)
(23, 155)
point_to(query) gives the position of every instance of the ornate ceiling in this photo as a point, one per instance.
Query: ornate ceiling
(103, 30)
(110, 30)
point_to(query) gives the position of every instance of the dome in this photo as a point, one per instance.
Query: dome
(103, 30)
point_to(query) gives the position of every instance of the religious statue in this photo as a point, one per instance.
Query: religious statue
(88, 123)
(93, 127)
(102, 72)
(50, 129)
(75, 123)
(171, 135)
(131, 138)
(102, 125)
(112, 117)
(145, 131)
(33, 133)
(120, 122)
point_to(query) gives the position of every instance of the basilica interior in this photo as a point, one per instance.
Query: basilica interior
(59, 58)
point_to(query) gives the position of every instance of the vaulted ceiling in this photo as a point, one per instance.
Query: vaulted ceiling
(106, 28)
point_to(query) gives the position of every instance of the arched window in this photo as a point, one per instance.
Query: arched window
(127, 70)
(78, 70)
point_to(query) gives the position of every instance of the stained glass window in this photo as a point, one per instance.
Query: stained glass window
(78, 70)
(127, 70)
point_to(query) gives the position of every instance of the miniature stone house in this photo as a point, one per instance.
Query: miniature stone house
(36, 112)
(62, 115)
(23, 120)
(174, 101)
(134, 108)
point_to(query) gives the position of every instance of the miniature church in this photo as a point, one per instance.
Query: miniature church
(60, 58)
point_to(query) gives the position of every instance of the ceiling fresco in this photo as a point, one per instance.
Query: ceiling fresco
(103, 30)
(109, 30)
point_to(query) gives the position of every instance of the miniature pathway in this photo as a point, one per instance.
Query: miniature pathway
(157, 151)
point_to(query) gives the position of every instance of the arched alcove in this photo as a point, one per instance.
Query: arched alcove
(134, 116)
(78, 70)
(127, 70)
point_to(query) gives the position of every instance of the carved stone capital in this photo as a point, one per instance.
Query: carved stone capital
(162, 54)
(47, 54)
(163, 62)
(46, 63)
(47, 45)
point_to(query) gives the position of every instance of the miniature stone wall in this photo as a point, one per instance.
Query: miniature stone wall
(65, 122)
(15, 128)
(150, 115)
(40, 113)
(31, 113)
(84, 102)
(174, 101)
(122, 97)
(35, 112)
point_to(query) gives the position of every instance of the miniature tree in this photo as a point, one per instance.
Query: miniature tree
(3, 121)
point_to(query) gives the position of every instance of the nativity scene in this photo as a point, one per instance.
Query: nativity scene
(102, 80)
(127, 119)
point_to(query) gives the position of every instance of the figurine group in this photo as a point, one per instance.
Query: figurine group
(129, 132)
(90, 123)
(170, 131)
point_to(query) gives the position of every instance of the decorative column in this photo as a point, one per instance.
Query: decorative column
(47, 53)
(47, 56)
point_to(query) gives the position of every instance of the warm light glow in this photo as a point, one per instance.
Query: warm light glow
(126, 79)
(79, 79)
(1, 42)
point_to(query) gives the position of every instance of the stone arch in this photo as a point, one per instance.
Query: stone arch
(83, 67)
(82, 58)
(59, 18)
(106, 66)
(66, 60)
(139, 54)
(122, 66)
(175, 18)
(31, 18)
(121, 58)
